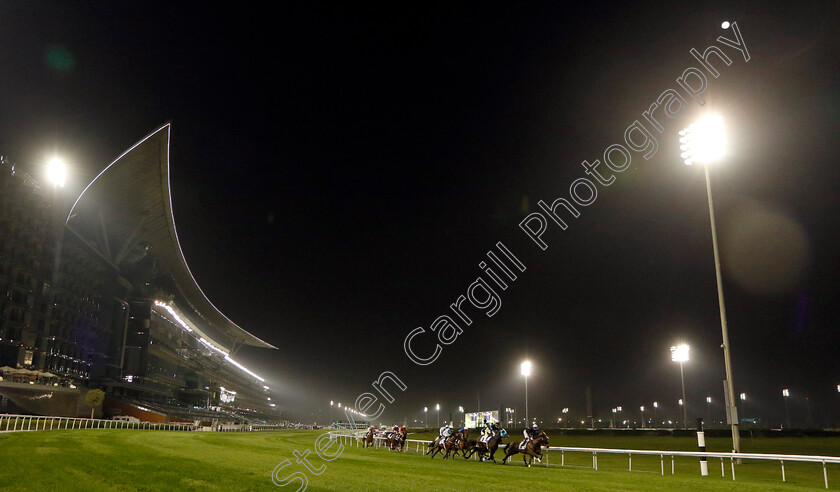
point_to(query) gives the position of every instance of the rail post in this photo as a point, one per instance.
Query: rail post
(701, 444)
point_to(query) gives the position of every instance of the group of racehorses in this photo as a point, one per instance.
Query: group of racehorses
(460, 443)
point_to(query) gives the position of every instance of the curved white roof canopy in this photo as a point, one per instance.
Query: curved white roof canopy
(129, 202)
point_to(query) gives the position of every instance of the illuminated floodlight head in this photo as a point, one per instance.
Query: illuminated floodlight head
(655, 405)
(681, 402)
(437, 406)
(838, 388)
(425, 409)
(618, 408)
(708, 399)
(725, 25)
(460, 409)
(703, 142)
(785, 392)
(56, 172)
(339, 404)
(642, 408)
(744, 396)
(526, 368)
(331, 403)
(679, 353)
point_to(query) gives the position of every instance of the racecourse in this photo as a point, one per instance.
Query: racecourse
(119, 460)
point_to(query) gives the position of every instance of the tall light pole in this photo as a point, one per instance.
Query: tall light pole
(461, 411)
(709, 409)
(566, 413)
(680, 354)
(744, 404)
(655, 406)
(786, 395)
(642, 411)
(56, 174)
(704, 143)
(526, 371)
(425, 412)
(331, 407)
(437, 407)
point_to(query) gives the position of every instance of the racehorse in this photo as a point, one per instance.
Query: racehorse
(533, 449)
(368, 439)
(457, 442)
(396, 440)
(438, 443)
(488, 447)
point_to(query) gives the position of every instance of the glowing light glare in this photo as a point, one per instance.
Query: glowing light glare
(339, 404)
(331, 403)
(785, 392)
(642, 408)
(243, 368)
(174, 315)
(655, 405)
(460, 409)
(744, 395)
(679, 353)
(56, 172)
(708, 399)
(703, 142)
(526, 368)
(681, 402)
(425, 409)
(437, 407)
(725, 25)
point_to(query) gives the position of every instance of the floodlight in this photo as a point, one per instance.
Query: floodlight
(703, 142)
(679, 353)
(56, 172)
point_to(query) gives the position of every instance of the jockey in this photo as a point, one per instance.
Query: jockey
(372, 429)
(489, 429)
(403, 431)
(530, 434)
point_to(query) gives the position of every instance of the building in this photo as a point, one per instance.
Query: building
(103, 297)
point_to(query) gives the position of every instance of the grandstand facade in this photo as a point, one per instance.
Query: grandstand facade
(103, 297)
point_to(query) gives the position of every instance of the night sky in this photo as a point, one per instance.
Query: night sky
(338, 174)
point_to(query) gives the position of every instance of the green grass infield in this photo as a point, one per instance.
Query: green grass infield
(124, 460)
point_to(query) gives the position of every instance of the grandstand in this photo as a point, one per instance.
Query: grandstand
(103, 297)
